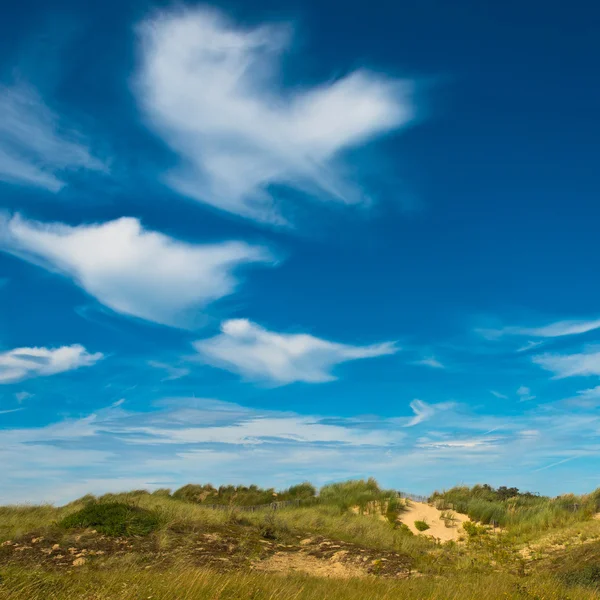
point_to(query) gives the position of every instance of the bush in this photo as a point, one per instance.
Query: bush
(302, 491)
(114, 519)
(421, 526)
(474, 530)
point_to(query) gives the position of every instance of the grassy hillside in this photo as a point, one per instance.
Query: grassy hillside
(344, 542)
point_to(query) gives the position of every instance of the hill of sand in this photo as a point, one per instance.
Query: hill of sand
(419, 511)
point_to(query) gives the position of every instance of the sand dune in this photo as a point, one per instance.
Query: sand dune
(419, 511)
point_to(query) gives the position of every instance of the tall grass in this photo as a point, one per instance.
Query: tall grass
(359, 493)
(185, 583)
(519, 512)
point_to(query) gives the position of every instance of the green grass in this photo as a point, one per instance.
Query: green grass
(113, 519)
(421, 526)
(516, 511)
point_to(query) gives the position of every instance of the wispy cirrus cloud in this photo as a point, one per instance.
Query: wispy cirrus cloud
(171, 372)
(24, 363)
(36, 148)
(570, 365)
(430, 361)
(280, 358)
(210, 89)
(131, 270)
(423, 412)
(589, 397)
(162, 445)
(524, 394)
(552, 330)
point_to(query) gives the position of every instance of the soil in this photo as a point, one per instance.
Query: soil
(226, 549)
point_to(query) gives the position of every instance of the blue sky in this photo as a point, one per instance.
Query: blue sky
(273, 242)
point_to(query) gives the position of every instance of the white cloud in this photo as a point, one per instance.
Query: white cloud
(569, 365)
(246, 348)
(24, 363)
(263, 430)
(172, 372)
(498, 395)
(22, 396)
(210, 89)
(131, 270)
(588, 398)
(430, 361)
(524, 394)
(470, 443)
(423, 412)
(558, 329)
(34, 149)
(529, 346)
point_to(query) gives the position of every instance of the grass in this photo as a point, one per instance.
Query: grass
(240, 495)
(113, 518)
(522, 513)
(184, 583)
(158, 534)
(421, 526)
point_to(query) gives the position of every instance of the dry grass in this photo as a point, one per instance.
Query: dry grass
(184, 583)
(160, 566)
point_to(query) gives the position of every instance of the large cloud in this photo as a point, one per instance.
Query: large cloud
(131, 270)
(246, 348)
(35, 149)
(209, 88)
(23, 363)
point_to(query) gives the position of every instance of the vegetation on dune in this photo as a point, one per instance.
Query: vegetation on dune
(520, 511)
(113, 518)
(174, 545)
(359, 493)
(421, 526)
(241, 495)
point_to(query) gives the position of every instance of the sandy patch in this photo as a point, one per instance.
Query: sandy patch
(419, 511)
(300, 562)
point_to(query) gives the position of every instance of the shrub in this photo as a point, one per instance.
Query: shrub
(421, 526)
(114, 519)
(302, 491)
(474, 530)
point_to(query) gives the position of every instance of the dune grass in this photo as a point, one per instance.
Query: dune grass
(520, 513)
(487, 564)
(185, 583)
